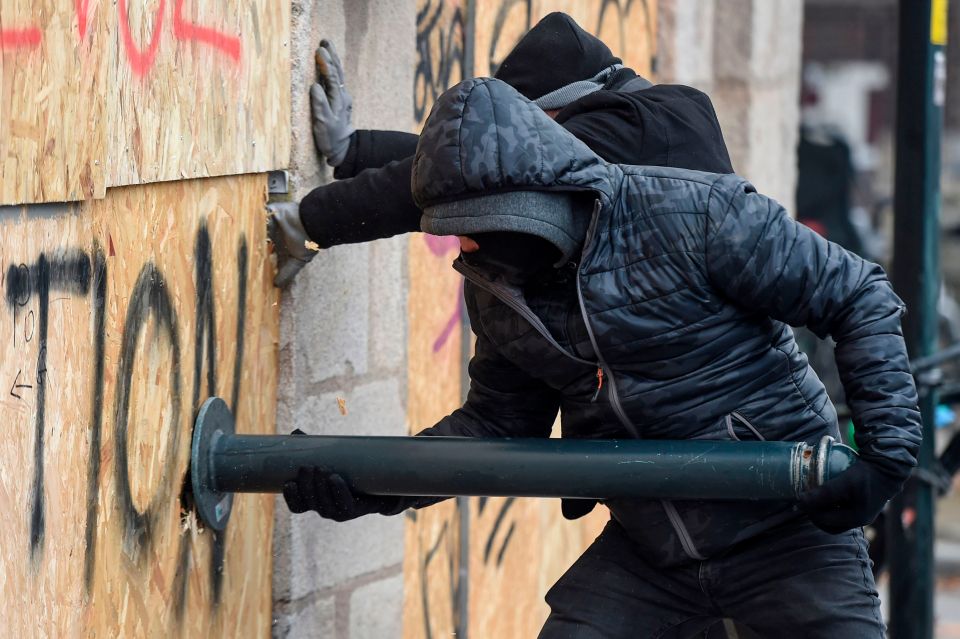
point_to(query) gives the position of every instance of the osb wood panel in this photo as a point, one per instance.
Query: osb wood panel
(432, 578)
(431, 572)
(431, 560)
(119, 317)
(516, 548)
(53, 91)
(212, 97)
(100, 94)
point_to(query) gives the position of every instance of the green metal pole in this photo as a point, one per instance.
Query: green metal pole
(223, 463)
(586, 469)
(921, 71)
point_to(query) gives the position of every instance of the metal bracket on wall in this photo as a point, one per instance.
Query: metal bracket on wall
(278, 183)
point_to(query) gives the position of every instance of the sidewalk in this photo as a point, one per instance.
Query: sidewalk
(947, 603)
(947, 557)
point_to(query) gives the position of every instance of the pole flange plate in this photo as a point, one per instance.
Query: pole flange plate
(213, 422)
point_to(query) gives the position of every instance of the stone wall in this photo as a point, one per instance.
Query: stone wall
(746, 55)
(343, 335)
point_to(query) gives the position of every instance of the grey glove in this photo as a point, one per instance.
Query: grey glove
(331, 106)
(291, 242)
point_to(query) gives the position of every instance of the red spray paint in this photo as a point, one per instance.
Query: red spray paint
(140, 60)
(28, 38)
(81, 8)
(440, 245)
(183, 30)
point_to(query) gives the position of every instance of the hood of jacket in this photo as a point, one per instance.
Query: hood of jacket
(490, 160)
(661, 125)
(554, 53)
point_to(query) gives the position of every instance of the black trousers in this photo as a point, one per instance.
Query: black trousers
(792, 581)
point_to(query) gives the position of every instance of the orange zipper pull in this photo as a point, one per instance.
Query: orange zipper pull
(596, 394)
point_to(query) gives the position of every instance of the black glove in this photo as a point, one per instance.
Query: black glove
(576, 508)
(851, 500)
(332, 497)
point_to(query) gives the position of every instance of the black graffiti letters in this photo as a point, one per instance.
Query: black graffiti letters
(96, 411)
(440, 50)
(68, 273)
(150, 299)
(150, 331)
(205, 355)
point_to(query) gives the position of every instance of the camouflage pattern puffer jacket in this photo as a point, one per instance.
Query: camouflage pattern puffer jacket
(686, 285)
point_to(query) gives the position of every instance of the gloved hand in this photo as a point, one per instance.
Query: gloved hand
(331, 106)
(576, 508)
(332, 497)
(289, 238)
(852, 499)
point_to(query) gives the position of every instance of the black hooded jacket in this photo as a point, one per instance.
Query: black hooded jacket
(663, 125)
(686, 285)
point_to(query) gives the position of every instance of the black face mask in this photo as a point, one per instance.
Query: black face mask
(517, 257)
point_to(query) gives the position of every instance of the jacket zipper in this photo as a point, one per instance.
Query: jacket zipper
(599, 385)
(530, 316)
(524, 312)
(686, 541)
(743, 420)
(676, 521)
(602, 365)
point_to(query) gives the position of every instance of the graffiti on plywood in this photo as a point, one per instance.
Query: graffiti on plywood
(119, 317)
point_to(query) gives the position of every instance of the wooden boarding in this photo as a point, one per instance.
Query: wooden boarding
(516, 548)
(119, 317)
(519, 548)
(100, 94)
(432, 558)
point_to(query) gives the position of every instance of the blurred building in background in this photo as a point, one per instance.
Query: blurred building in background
(849, 84)
(845, 191)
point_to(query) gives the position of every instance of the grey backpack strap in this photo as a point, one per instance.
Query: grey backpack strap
(635, 84)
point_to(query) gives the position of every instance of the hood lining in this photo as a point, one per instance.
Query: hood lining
(513, 216)
(540, 188)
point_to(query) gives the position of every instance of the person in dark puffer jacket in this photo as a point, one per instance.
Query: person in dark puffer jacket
(677, 288)
(567, 71)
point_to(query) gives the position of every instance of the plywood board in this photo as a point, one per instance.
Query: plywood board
(434, 543)
(518, 549)
(53, 88)
(119, 317)
(515, 549)
(435, 360)
(98, 94)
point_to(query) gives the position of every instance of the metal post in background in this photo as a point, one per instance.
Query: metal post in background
(462, 604)
(921, 73)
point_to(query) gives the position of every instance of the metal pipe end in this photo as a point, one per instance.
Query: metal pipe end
(832, 458)
(214, 421)
(813, 466)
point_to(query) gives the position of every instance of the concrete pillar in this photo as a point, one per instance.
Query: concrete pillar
(685, 42)
(343, 335)
(746, 55)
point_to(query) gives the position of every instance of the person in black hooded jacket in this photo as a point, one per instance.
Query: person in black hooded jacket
(566, 71)
(657, 302)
